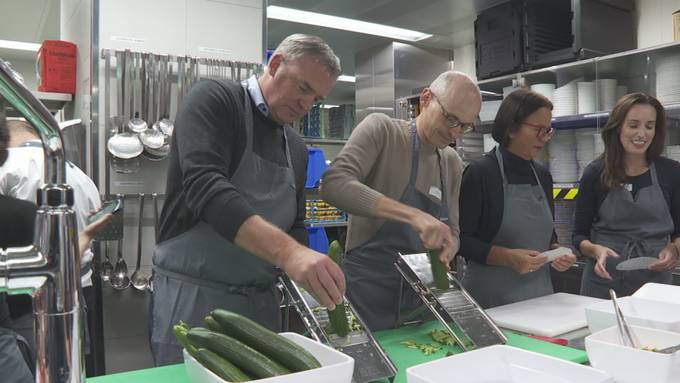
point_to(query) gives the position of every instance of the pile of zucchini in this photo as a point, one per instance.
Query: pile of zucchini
(239, 350)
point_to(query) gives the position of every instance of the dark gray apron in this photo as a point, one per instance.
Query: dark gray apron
(632, 227)
(373, 282)
(200, 270)
(13, 367)
(527, 223)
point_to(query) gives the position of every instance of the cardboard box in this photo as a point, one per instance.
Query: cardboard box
(676, 25)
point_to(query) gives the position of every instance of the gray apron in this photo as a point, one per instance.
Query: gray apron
(13, 367)
(632, 227)
(373, 282)
(199, 270)
(527, 223)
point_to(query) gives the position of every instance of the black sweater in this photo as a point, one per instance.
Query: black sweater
(481, 199)
(591, 194)
(208, 143)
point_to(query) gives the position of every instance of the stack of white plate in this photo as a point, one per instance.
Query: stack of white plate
(471, 145)
(565, 100)
(598, 144)
(606, 93)
(547, 90)
(489, 110)
(585, 148)
(621, 90)
(563, 165)
(564, 221)
(587, 103)
(489, 143)
(668, 79)
(673, 152)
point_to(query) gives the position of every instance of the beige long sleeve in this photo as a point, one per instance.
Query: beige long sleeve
(376, 162)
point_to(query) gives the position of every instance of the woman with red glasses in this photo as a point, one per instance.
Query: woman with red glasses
(628, 204)
(506, 208)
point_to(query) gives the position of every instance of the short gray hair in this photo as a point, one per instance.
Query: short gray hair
(299, 45)
(442, 84)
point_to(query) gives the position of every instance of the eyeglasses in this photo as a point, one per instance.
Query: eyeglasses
(452, 122)
(541, 131)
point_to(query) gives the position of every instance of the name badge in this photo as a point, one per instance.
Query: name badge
(628, 187)
(436, 192)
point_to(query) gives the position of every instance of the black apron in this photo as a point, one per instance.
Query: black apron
(527, 223)
(632, 227)
(200, 270)
(13, 367)
(373, 282)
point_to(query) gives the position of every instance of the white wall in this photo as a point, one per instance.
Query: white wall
(27, 70)
(655, 25)
(464, 60)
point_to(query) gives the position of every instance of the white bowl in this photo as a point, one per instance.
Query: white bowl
(659, 292)
(504, 364)
(336, 367)
(637, 311)
(629, 365)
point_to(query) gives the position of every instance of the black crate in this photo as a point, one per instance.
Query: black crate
(498, 40)
(529, 34)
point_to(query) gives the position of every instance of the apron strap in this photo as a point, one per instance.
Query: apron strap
(245, 290)
(499, 158)
(414, 154)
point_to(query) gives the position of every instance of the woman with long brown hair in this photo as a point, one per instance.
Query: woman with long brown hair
(629, 202)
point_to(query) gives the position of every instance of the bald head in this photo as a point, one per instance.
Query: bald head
(458, 91)
(20, 131)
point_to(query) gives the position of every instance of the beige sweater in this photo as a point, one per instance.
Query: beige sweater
(376, 162)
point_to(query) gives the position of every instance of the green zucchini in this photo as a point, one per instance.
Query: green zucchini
(337, 317)
(282, 350)
(181, 335)
(220, 366)
(212, 324)
(439, 271)
(242, 356)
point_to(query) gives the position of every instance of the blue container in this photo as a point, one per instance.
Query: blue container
(318, 240)
(316, 165)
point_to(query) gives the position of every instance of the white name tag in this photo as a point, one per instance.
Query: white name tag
(436, 192)
(628, 187)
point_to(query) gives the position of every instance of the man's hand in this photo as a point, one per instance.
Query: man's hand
(435, 235)
(318, 274)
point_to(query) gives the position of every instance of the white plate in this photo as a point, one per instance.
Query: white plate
(504, 364)
(556, 253)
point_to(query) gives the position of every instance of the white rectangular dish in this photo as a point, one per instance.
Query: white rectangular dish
(637, 311)
(336, 367)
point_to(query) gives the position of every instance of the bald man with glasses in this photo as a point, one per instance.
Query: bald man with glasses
(399, 180)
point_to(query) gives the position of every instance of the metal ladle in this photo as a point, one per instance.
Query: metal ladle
(140, 281)
(119, 279)
(124, 146)
(107, 267)
(137, 123)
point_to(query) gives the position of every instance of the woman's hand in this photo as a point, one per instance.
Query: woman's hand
(564, 262)
(601, 253)
(668, 259)
(525, 261)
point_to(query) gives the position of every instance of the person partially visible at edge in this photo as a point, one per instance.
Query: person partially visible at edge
(235, 204)
(399, 181)
(628, 204)
(17, 225)
(507, 209)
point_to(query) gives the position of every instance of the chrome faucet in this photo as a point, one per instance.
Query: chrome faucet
(48, 270)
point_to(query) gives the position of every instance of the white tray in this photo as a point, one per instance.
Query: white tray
(504, 364)
(336, 367)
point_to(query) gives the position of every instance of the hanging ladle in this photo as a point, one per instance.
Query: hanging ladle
(140, 281)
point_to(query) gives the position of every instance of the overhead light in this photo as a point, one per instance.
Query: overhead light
(335, 22)
(345, 78)
(19, 45)
(329, 106)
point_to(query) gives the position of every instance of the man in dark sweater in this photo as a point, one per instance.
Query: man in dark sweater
(235, 207)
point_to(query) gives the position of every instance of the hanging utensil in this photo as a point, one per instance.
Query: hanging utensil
(137, 123)
(154, 199)
(139, 281)
(627, 335)
(107, 266)
(167, 126)
(123, 146)
(119, 279)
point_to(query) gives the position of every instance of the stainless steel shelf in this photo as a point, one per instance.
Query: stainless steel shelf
(330, 224)
(54, 102)
(325, 141)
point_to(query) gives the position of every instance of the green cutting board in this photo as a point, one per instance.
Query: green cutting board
(404, 357)
(167, 374)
